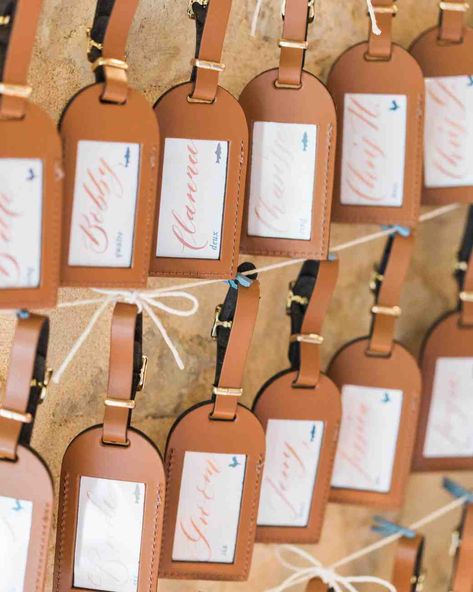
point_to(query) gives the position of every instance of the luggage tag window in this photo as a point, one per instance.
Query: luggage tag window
(214, 461)
(445, 54)
(300, 409)
(111, 149)
(30, 177)
(445, 437)
(378, 89)
(292, 122)
(26, 489)
(202, 171)
(381, 386)
(112, 485)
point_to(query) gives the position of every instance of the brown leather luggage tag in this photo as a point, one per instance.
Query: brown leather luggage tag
(111, 143)
(300, 410)
(30, 171)
(378, 89)
(112, 485)
(292, 125)
(214, 460)
(317, 585)
(445, 54)
(201, 182)
(462, 551)
(380, 384)
(445, 432)
(26, 488)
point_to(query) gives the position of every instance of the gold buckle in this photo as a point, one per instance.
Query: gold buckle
(143, 373)
(419, 581)
(218, 323)
(454, 543)
(15, 90)
(312, 338)
(208, 65)
(393, 9)
(43, 384)
(190, 10)
(310, 5)
(110, 62)
(293, 44)
(15, 415)
(376, 278)
(466, 296)
(227, 392)
(119, 403)
(5, 20)
(91, 43)
(389, 311)
(291, 297)
(454, 6)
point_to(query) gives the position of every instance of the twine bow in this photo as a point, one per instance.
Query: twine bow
(146, 301)
(316, 569)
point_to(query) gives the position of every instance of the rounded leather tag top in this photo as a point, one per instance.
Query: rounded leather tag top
(445, 54)
(292, 126)
(378, 89)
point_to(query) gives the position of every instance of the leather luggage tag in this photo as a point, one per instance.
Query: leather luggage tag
(317, 585)
(26, 488)
(201, 181)
(300, 410)
(111, 143)
(30, 171)
(214, 460)
(407, 571)
(380, 384)
(112, 485)
(462, 550)
(445, 54)
(445, 432)
(292, 125)
(378, 90)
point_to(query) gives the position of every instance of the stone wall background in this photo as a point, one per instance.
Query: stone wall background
(160, 47)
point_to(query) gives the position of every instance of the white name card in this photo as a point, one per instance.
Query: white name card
(292, 458)
(192, 198)
(21, 203)
(282, 180)
(108, 542)
(104, 206)
(374, 146)
(15, 528)
(450, 424)
(209, 507)
(449, 131)
(368, 438)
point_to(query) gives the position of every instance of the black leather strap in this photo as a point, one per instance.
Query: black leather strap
(200, 15)
(303, 288)
(7, 10)
(103, 12)
(137, 356)
(466, 247)
(227, 313)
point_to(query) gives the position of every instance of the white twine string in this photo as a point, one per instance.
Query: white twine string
(259, 4)
(329, 574)
(146, 301)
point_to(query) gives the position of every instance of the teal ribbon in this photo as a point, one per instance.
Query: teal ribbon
(457, 490)
(387, 528)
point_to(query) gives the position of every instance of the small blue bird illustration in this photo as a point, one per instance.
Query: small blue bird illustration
(470, 80)
(218, 153)
(394, 106)
(18, 506)
(234, 462)
(312, 433)
(305, 142)
(31, 175)
(127, 157)
(386, 398)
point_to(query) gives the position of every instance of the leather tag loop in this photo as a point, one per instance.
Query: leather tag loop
(307, 319)
(452, 21)
(24, 384)
(380, 46)
(407, 572)
(18, 56)
(125, 364)
(386, 311)
(210, 52)
(291, 62)
(230, 375)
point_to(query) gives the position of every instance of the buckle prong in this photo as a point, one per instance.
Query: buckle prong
(143, 373)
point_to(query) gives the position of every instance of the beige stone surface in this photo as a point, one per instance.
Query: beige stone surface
(160, 47)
